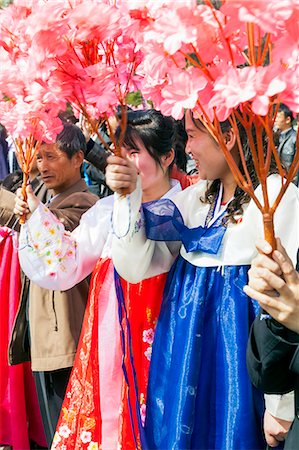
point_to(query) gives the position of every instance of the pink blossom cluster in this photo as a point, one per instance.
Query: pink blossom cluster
(181, 54)
(57, 52)
(30, 100)
(213, 60)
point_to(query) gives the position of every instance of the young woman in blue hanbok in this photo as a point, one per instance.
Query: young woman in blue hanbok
(199, 394)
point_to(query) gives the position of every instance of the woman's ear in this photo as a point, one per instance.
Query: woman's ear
(230, 139)
(167, 159)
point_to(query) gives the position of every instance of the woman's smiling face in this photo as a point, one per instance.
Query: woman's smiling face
(210, 161)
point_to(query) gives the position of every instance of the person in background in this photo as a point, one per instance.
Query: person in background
(48, 323)
(95, 162)
(273, 346)
(4, 168)
(287, 138)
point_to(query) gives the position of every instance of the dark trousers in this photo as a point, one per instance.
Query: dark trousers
(51, 388)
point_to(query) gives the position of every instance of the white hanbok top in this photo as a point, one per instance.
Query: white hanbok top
(56, 259)
(238, 244)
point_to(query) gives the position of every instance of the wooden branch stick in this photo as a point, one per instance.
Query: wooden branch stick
(233, 122)
(26, 157)
(251, 50)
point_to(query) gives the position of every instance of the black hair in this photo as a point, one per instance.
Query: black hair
(286, 110)
(240, 197)
(71, 140)
(67, 117)
(180, 141)
(119, 111)
(154, 130)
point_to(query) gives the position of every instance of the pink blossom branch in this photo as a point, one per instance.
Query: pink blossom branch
(116, 148)
(209, 3)
(259, 47)
(201, 65)
(267, 124)
(93, 123)
(26, 158)
(240, 180)
(233, 122)
(263, 173)
(265, 49)
(206, 122)
(251, 50)
(246, 120)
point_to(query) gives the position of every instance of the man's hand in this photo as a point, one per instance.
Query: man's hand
(275, 429)
(121, 175)
(22, 207)
(275, 285)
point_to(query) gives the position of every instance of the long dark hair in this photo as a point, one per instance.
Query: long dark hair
(155, 131)
(240, 197)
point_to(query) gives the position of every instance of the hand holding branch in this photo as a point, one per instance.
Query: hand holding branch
(121, 175)
(275, 285)
(25, 208)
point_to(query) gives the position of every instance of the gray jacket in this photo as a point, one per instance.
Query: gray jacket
(286, 150)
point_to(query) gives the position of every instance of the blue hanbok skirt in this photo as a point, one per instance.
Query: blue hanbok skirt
(199, 393)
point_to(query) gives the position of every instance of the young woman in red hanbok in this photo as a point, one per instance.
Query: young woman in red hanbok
(105, 402)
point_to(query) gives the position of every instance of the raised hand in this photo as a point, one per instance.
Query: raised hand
(25, 207)
(121, 175)
(274, 283)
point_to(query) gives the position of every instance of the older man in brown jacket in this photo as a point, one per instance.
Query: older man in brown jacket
(48, 323)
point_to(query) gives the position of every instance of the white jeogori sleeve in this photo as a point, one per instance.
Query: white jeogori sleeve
(281, 406)
(56, 259)
(134, 256)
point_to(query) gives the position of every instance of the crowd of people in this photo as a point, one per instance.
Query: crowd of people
(154, 317)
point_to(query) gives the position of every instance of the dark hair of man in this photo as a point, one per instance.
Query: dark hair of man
(154, 130)
(71, 140)
(286, 110)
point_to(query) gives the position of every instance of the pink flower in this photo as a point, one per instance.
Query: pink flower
(64, 431)
(268, 83)
(270, 15)
(85, 436)
(148, 353)
(148, 336)
(235, 86)
(172, 31)
(95, 20)
(290, 96)
(238, 86)
(182, 91)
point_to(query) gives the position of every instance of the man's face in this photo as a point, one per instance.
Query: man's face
(58, 172)
(282, 122)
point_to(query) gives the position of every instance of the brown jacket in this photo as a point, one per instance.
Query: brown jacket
(55, 317)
